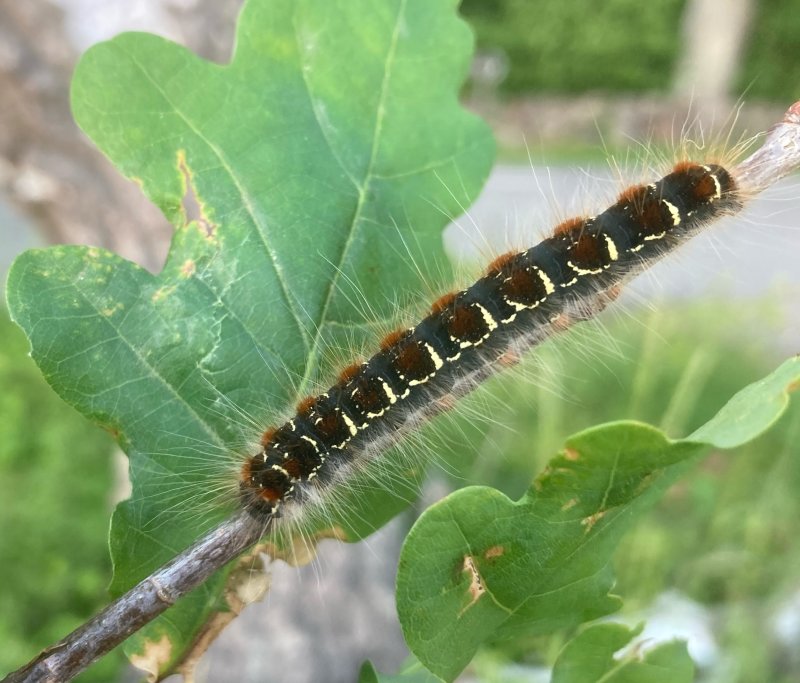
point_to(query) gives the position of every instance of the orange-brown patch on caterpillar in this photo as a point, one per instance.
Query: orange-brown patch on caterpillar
(368, 395)
(268, 435)
(349, 372)
(705, 188)
(633, 194)
(246, 473)
(305, 405)
(466, 322)
(562, 322)
(443, 302)
(500, 262)
(292, 467)
(446, 402)
(270, 495)
(589, 250)
(569, 225)
(524, 286)
(392, 338)
(606, 297)
(649, 212)
(683, 166)
(508, 359)
(331, 425)
(413, 362)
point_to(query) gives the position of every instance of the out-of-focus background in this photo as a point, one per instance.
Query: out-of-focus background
(576, 83)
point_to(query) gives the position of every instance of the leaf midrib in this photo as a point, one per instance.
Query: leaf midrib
(363, 189)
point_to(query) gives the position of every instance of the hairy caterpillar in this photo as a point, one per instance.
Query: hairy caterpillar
(522, 298)
(593, 255)
(587, 259)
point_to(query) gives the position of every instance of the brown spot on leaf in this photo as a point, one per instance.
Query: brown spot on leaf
(154, 656)
(476, 587)
(571, 503)
(191, 203)
(162, 293)
(247, 583)
(571, 454)
(494, 551)
(591, 520)
(114, 431)
(188, 268)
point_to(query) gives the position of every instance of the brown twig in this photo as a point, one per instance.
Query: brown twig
(777, 157)
(142, 603)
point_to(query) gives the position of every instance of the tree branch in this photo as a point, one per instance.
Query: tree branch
(777, 157)
(144, 602)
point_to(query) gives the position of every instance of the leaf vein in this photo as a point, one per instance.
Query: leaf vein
(247, 201)
(363, 188)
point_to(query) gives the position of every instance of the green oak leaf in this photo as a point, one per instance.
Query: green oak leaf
(589, 658)
(477, 565)
(411, 672)
(321, 165)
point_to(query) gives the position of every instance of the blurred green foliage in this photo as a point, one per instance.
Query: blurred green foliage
(772, 62)
(616, 45)
(726, 535)
(55, 487)
(624, 45)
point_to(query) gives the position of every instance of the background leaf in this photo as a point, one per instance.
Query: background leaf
(53, 557)
(325, 159)
(411, 672)
(479, 566)
(589, 658)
